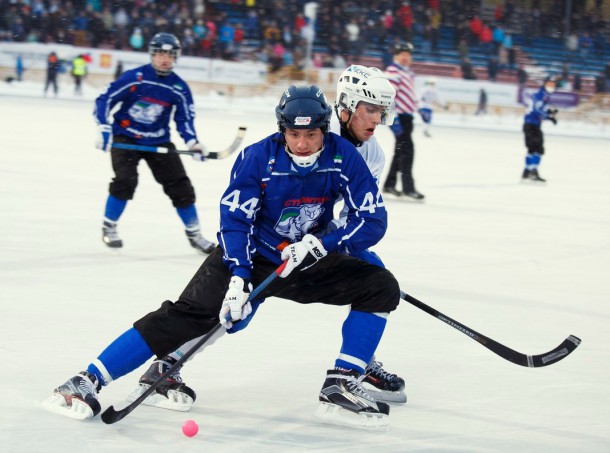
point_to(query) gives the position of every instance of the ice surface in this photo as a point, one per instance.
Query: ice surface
(525, 265)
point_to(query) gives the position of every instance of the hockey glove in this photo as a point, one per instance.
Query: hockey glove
(105, 141)
(200, 153)
(302, 255)
(235, 305)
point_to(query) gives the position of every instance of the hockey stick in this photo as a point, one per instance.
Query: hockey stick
(532, 361)
(241, 132)
(111, 415)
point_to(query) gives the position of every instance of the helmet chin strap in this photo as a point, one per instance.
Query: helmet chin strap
(304, 161)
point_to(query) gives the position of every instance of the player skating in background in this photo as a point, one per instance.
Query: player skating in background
(364, 100)
(146, 97)
(306, 169)
(428, 100)
(538, 109)
(402, 79)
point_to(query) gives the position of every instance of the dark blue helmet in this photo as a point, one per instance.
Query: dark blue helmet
(165, 42)
(303, 107)
(403, 47)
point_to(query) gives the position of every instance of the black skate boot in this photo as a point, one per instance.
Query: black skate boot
(526, 174)
(392, 191)
(383, 385)
(110, 236)
(198, 242)
(534, 176)
(414, 195)
(343, 401)
(171, 394)
(77, 398)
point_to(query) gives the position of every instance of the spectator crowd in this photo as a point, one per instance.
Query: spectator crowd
(277, 31)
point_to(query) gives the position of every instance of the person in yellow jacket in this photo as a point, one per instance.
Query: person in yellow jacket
(79, 70)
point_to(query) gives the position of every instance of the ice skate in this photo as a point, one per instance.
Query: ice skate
(413, 195)
(344, 402)
(110, 236)
(383, 385)
(535, 177)
(77, 398)
(200, 243)
(392, 191)
(171, 394)
(532, 176)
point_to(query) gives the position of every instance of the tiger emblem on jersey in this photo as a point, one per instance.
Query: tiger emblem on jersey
(297, 221)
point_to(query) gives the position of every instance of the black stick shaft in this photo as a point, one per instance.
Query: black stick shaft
(111, 415)
(532, 361)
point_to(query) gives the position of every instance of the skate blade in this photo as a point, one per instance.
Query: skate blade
(113, 251)
(532, 182)
(78, 410)
(175, 401)
(386, 396)
(336, 415)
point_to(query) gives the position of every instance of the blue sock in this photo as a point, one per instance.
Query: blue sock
(122, 356)
(188, 216)
(114, 208)
(361, 334)
(532, 161)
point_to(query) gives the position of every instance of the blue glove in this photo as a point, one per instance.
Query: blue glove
(105, 142)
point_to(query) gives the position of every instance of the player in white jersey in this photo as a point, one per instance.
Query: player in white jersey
(365, 99)
(428, 100)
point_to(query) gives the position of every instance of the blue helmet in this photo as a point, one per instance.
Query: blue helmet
(165, 42)
(303, 107)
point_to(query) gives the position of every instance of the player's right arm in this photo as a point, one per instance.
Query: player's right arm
(114, 94)
(238, 208)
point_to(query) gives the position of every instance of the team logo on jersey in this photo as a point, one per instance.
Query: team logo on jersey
(295, 222)
(145, 111)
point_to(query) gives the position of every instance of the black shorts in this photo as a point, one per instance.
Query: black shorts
(534, 140)
(336, 280)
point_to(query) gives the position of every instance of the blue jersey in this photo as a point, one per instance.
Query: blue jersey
(270, 203)
(537, 107)
(146, 104)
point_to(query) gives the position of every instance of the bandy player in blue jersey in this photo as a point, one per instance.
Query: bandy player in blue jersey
(537, 110)
(365, 99)
(282, 192)
(145, 98)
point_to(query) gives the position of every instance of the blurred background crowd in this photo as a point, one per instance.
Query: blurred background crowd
(494, 40)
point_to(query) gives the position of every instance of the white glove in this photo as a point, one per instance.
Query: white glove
(303, 254)
(200, 153)
(236, 302)
(105, 140)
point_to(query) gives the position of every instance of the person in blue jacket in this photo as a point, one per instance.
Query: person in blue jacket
(146, 97)
(538, 109)
(276, 209)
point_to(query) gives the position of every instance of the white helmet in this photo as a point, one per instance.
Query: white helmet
(359, 83)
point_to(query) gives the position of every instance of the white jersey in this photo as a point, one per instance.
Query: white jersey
(373, 156)
(429, 98)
